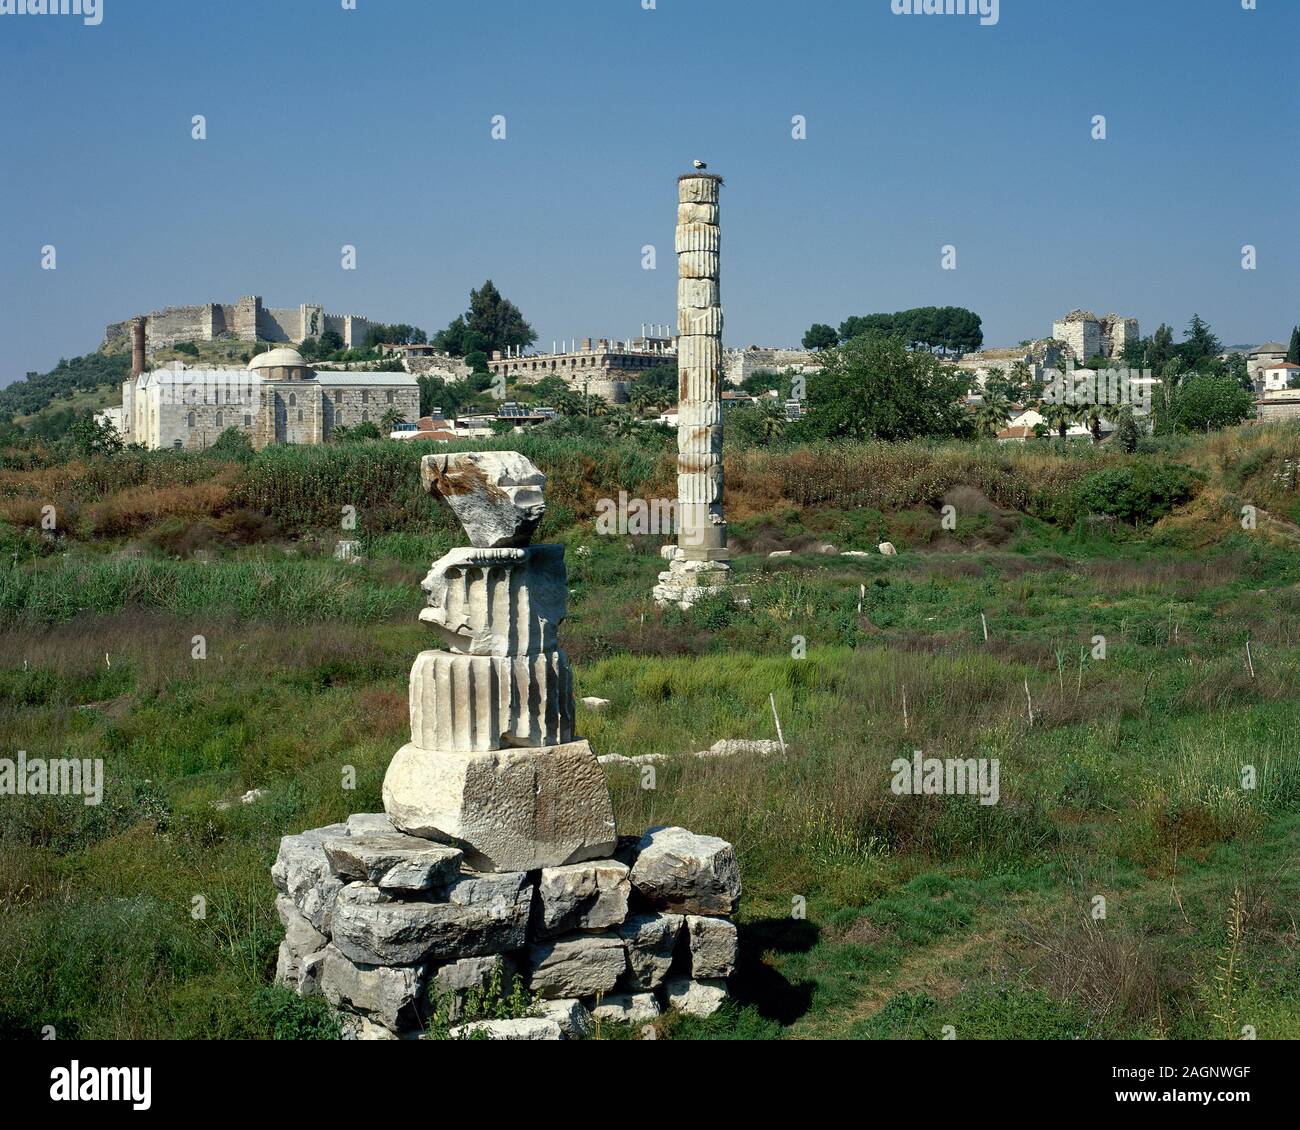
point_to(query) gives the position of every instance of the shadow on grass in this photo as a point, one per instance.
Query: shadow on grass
(757, 984)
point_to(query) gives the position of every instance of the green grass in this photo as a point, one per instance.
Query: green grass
(865, 915)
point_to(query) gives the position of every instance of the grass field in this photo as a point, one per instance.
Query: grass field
(866, 915)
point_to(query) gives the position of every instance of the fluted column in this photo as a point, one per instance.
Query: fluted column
(702, 529)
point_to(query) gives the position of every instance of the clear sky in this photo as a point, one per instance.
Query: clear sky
(372, 127)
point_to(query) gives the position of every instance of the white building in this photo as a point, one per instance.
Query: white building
(277, 399)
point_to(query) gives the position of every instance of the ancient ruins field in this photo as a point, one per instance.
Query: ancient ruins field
(865, 914)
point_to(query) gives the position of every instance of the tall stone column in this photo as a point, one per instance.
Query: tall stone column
(698, 564)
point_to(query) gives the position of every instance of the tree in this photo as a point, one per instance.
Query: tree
(94, 437)
(820, 336)
(1057, 415)
(390, 419)
(873, 387)
(772, 420)
(232, 444)
(331, 341)
(952, 329)
(1208, 403)
(1201, 344)
(1127, 429)
(1293, 354)
(991, 415)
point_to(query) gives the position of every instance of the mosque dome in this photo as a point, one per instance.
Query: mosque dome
(280, 364)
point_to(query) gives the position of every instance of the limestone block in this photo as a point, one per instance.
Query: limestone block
(578, 966)
(701, 354)
(700, 413)
(301, 942)
(698, 189)
(697, 214)
(677, 870)
(692, 320)
(627, 1008)
(498, 601)
(356, 1027)
(510, 810)
(570, 1014)
(394, 861)
(450, 984)
(302, 872)
(361, 822)
(694, 238)
(594, 704)
(475, 703)
(525, 1028)
(496, 495)
(651, 940)
(481, 915)
(384, 994)
(697, 293)
(713, 946)
(887, 548)
(696, 998)
(582, 896)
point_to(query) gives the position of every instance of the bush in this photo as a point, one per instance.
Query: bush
(1143, 492)
(287, 1016)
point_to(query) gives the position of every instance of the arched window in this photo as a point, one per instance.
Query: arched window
(293, 399)
(365, 417)
(390, 396)
(191, 420)
(218, 419)
(300, 415)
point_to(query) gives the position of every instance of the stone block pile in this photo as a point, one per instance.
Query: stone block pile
(496, 856)
(389, 927)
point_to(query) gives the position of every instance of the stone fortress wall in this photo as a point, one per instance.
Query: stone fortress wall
(245, 320)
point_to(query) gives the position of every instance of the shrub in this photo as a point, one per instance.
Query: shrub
(1141, 492)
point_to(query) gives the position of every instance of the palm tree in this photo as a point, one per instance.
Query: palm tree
(624, 423)
(772, 420)
(641, 397)
(1057, 415)
(991, 415)
(1090, 415)
(390, 419)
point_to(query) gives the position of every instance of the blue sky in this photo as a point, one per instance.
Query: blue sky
(372, 128)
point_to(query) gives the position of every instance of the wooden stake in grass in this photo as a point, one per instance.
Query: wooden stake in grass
(777, 719)
(1250, 661)
(1078, 682)
(862, 595)
(905, 709)
(1029, 700)
(984, 622)
(1060, 672)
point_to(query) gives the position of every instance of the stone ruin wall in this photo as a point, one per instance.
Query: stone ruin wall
(245, 320)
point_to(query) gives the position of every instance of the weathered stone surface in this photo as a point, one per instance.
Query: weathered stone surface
(504, 601)
(578, 966)
(887, 548)
(481, 915)
(509, 810)
(699, 188)
(394, 861)
(697, 214)
(301, 939)
(496, 495)
(781, 553)
(827, 550)
(385, 994)
(738, 747)
(359, 823)
(696, 998)
(591, 702)
(697, 293)
(478, 703)
(626, 1008)
(697, 238)
(526, 1028)
(651, 940)
(450, 984)
(677, 870)
(713, 947)
(302, 872)
(582, 896)
(356, 1027)
(570, 1014)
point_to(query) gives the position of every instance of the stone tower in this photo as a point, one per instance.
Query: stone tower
(699, 561)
